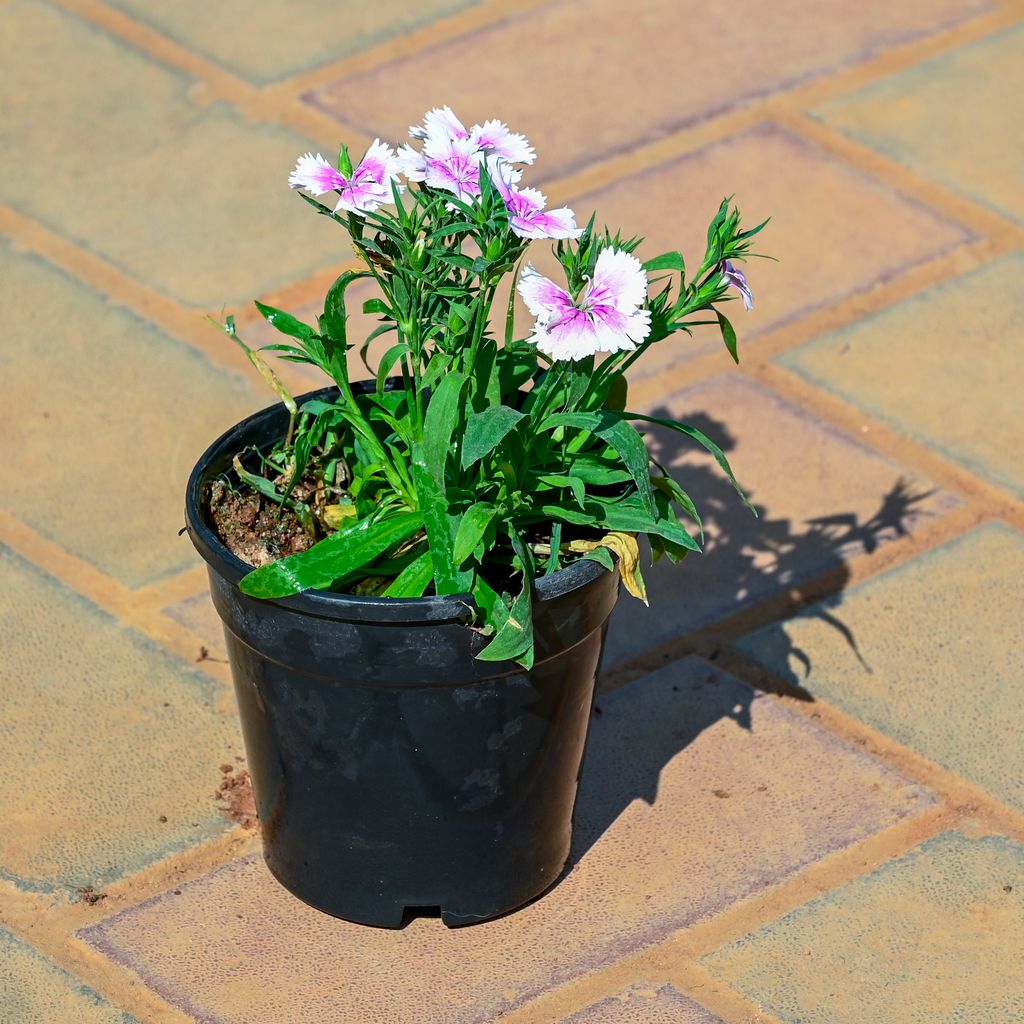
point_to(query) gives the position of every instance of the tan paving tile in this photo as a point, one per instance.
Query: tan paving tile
(933, 936)
(34, 991)
(113, 154)
(871, 234)
(683, 768)
(943, 366)
(104, 419)
(823, 499)
(955, 118)
(645, 1004)
(198, 614)
(269, 41)
(938, 660)
(586, 79)
(95, 722)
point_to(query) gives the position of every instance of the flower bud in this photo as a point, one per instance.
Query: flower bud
(418, 256)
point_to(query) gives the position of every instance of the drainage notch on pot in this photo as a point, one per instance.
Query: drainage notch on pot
(395, 774)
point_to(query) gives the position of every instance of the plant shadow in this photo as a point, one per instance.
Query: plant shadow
(748, 564)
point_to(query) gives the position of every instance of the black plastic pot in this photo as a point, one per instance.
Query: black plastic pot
(394, 772)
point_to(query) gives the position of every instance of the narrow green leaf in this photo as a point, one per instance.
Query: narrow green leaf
(332, 558)
(514, 640)
(472, 526)
(440, 527)
(486, 430)
(728, 335)
(443, 414)
(602, 555)
(666, 261)
(388, 361)
(284, 322)
(620, 435)
(414, 579)
(574, 483)
(703, 440)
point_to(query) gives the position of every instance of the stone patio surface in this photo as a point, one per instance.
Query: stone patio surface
(803, 801)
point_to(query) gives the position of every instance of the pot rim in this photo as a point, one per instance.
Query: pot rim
(326, 603)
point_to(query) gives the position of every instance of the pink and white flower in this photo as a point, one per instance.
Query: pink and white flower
(606, 318)
(735, 278)
(493, 138)
(367, 188)
(453, 165)
(526, 215)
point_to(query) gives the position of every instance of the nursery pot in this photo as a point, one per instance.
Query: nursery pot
(395, 773)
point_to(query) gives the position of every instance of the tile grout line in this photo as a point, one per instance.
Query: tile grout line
(425, 37)
(889, 441)
(673, 958)
(968, 799)
(107, 594)
(985, 221)
(95, 272)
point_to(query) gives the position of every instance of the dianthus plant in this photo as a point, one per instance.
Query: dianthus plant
(475, 460)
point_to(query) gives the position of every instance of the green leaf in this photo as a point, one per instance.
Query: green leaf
(556, 543)
(624, 515)
(377, 306)
(440, 527)
(703, 440)
(574, 483)
(333, 557)
(285, 322)
(666, 261)
(472, 526)
(486, 430)
(602, 555)
(728, 335)
(439, 424)
(413, 579)
(333, 320)
(388, 361)
(671, 489)
(514, 639)
(617, 433)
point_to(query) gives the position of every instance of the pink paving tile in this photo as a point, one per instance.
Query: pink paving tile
(589, 78)
(696, 793)
(823, 499)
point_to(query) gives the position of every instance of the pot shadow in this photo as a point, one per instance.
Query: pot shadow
(786, 565)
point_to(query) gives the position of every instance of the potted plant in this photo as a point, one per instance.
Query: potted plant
(415, 571)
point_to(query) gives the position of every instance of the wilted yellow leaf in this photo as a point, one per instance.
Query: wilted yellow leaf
(335, 515)
(625, 546)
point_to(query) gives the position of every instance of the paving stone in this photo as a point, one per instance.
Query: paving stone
(104, 417)
(96, 720)
(933, 936)
(194, 202)
(198, 614)
(645, 1004)
(960, 339)
(590, 94)
(773, 173)
(950, 118)
(683, 768)
(267, 42)
(823, 499)
(35, 991)
(937, 659)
